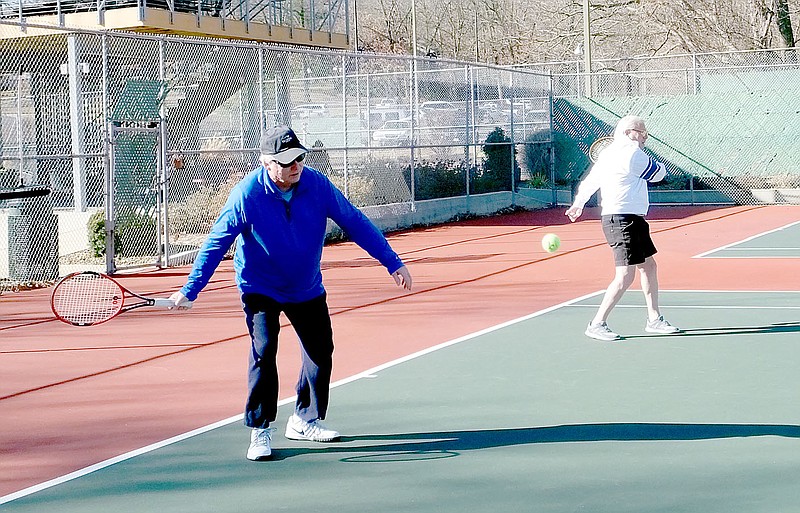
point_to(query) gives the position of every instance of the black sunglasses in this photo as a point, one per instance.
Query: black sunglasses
(290, 164)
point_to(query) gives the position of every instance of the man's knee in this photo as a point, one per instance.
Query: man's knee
(625, 273)
(648, 266)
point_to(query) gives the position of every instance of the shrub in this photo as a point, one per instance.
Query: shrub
(539, 181)
(499, 164)
(135, 235)
(360, 190)
(97, 235)
(536, 158)
(96, 227)
(443, 179)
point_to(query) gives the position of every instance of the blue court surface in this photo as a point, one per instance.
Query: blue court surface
(527, 416)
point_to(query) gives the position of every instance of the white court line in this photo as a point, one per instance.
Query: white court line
(702, 307)
(764, 249)
(706, 307)
(365, 374)
(701, 255)
(111, 461)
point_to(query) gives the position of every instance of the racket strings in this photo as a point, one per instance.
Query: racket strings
(85, 299)
(598, 146)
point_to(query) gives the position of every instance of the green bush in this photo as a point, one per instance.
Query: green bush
(499, 165)
(97, 235)
(376, 182)
(536, 157)
(443, 179)
(135, 235)
(539, 181)
(571, 162)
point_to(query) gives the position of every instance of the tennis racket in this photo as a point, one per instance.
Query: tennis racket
(88, 298)
(598, 146)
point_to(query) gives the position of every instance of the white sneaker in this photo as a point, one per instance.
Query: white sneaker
(601, 331)
(315, 431)
(259, 444)
(661, 325)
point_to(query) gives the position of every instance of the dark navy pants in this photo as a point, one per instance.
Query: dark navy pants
(312, 323)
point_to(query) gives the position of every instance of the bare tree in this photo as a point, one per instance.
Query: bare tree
(772, 17)
(384, 27)
(526, 31)
(783, 21)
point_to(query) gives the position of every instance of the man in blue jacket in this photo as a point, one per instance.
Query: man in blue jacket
(278, 217)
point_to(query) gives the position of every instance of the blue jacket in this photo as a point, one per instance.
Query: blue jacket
(278, 242)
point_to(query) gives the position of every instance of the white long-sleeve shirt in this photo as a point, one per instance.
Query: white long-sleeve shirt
(621, 173)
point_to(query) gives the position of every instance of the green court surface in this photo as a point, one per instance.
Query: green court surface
(781, 243)
(530, 416)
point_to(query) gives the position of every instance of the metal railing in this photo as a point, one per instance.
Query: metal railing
(328, 17)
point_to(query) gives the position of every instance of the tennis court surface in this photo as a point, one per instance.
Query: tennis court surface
(476, 392)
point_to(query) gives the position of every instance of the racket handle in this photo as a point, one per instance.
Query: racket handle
(163, 302)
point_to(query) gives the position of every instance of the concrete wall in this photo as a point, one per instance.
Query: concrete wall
(401, 215)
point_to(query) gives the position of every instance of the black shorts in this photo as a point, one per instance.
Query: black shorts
(629, 238)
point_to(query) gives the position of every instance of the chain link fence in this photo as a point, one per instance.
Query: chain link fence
(140, 138)
(724, 123)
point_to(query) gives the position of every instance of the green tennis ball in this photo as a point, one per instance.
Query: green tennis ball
(551, 242)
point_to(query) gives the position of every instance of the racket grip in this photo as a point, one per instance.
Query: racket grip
(163, 302)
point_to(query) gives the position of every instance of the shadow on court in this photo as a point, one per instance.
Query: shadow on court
(781, 327)
(444, 444)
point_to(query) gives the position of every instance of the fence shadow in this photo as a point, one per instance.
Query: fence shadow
(405, 446)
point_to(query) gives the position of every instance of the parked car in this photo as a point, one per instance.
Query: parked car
(440, 113)
(525, 108)
(437, 106)
(393, 133)
(488, 111)
(379, 116)
(310, 110)
(386, 103)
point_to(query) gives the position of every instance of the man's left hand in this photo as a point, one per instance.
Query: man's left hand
(402, 278)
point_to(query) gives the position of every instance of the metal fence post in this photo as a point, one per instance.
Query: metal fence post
(74, 69)
(162, 170)
(551, 150)
(512, 146)
(109, 199)
(469, 115)
(261, 87)
(472, 130)
(344, 110)
(108, 165)
(414, 121)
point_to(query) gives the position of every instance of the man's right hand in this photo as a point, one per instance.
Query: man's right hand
(573, 213)
(181, 302)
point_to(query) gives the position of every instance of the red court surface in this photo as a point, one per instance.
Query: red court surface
(71, 397)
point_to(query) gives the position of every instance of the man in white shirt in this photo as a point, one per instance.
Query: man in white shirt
(621, 173)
